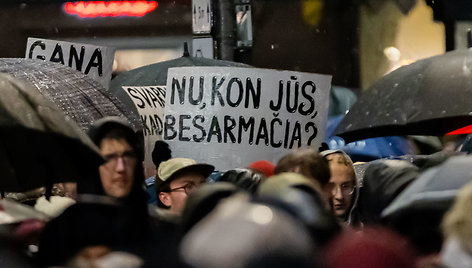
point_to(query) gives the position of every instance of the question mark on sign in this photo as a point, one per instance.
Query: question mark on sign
(314, 134)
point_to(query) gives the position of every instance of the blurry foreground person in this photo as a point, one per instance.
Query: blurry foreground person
(457, 228)
(371, 248)
(86, 232)
(238, 233)
(12, 253)
(203, 200)
(302, 199)
(343, 187)
(245, 179)
(176, 179)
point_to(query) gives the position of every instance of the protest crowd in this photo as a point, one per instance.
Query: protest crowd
(313, 208)
(221, 165)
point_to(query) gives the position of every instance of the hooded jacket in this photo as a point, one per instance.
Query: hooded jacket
(351, 218)
(383, 180)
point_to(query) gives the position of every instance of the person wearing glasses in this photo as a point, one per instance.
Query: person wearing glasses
(121, 175)
(342, 185)
(176, 179)
(112, 214)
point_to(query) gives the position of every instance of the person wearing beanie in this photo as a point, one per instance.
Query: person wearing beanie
(160, 153)
(263, 167)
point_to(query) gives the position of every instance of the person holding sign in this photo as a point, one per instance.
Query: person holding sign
(176, 179)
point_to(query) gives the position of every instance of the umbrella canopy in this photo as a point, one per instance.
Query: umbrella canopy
(39, 146)
(368, 149)
(428, 97)
(156, 75)
(80, 97)
(436, 188)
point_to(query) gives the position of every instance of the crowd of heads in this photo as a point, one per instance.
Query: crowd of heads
(308, 209)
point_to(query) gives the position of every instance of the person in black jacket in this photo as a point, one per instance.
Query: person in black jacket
(112, 211)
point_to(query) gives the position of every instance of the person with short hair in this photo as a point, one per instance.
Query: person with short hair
(308, 163)
(176, 179)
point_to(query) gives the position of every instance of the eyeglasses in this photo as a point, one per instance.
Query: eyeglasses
(188, 188)
(111, 160)
(346, 188)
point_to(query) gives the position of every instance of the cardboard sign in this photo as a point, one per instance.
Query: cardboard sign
(149, 102)
(94, 61)
(201, 16)
(203, 47)
(230, 117)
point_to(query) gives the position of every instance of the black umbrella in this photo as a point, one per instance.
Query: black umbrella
(417, 212)
(428, 97)
(156, 75)
(39, 146)
(80, 97)
(436, 188)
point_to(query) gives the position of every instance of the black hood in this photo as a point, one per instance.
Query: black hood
(383, 180)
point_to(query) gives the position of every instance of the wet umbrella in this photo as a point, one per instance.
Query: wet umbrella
(417, 212)
(436, 188)
(156, 75)
(368, 149)
(428, 97)
(38, 144)
(80, 97)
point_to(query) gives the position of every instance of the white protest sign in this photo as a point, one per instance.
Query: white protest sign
(94, 61)
(203, 47)
(149, 102)
(201, 16)
(230, 117)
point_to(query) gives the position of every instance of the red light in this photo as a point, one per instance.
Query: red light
(464, 130)
(92, 9)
